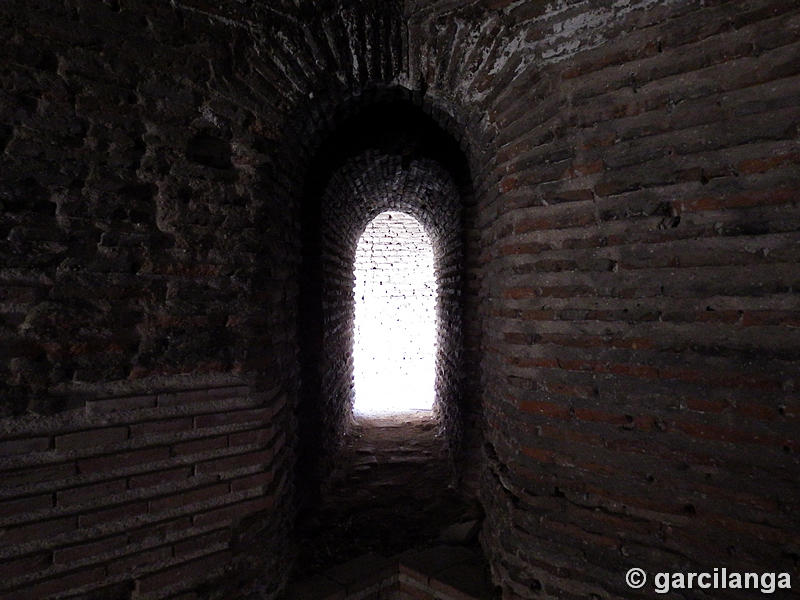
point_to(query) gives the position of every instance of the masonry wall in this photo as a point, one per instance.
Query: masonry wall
(639, 294)
(147, 485)
(360, 190)
(630, 317)
(147, 360)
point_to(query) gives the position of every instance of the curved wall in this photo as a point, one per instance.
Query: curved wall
(630, 247)
(638, 233)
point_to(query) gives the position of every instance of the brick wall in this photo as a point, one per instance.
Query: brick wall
(639, 234)
(140, 256)
(364, 187)
(146, 493)
(629, 235)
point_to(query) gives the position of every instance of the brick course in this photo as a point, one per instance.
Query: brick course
(128, 510)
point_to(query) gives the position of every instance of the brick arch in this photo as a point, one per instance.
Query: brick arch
(365, 188)
(418, 168)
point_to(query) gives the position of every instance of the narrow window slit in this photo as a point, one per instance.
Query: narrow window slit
(395, 317)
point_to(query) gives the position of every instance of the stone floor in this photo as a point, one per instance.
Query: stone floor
(390, 493)
(436, 573)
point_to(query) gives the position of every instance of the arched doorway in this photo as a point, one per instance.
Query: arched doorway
(376, 482)
(366, 166)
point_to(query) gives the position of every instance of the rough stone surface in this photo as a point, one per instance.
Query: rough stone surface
(435, 573)
(460, 533)
(391, 491)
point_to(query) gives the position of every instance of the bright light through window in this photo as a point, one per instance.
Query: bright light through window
(395, 328)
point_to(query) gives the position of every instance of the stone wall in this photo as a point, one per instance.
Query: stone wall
(639, 235)
(145, 269)
(156, 485)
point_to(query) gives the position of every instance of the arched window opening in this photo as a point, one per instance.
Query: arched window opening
(395, 317)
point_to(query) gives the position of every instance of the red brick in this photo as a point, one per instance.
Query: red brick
(186, 596)
(238, 461)
(183, 499)
(413, 592)
(762, 165)
(77, 552)
(548, 363)
(192, 545)
(58, 585)
(182, 574)
(160, 427)
(108, 405)
(539, 454)
(707, 405)
(558, 221)
(94, 437)
(225, 393)
(251, 481)
(600, 416)
(574, 391)
(723, 379)
(581, 536)
(24, 445)
(547, 409)
(25, 565)
(508, 184)
(567, 291)
(26, 504)
(255, 436)
(121, 512)
(96, 491)
(725, 434)
(159, 530)
(634, 343)
(580, 169)
(278, 443)
(123, 460)
(36, 474)
(760, 531)
(139, 560)
(232, 418)
(640, 371)
(769, 317)
(520, 249)
(538, 315)
(752, 410)
(743, 200)
(159, 477)
(38, 530)
(171, 399)
(201, 445)
(517, 338)
(232, 512)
